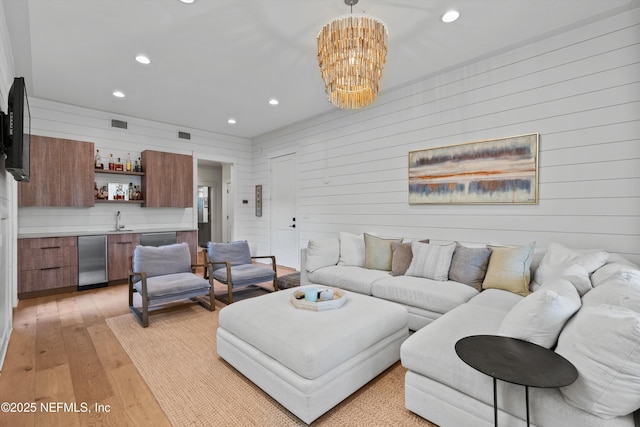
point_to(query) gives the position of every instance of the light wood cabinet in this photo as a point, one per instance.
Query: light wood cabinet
(168, 180)
(119, 249)
(46, 264)
(62, 173)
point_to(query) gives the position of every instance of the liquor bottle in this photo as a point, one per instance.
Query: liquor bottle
(130, 187)
(140, 163)
(128, 167)
(136, 167)
(98, 160)
(119, 165)
(112, 166)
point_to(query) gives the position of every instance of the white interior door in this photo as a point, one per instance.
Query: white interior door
(284, 234)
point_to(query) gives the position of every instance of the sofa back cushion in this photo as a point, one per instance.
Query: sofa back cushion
(162, 260)
(559, 261)
(603, 343)
(322, 253)
(237, 253)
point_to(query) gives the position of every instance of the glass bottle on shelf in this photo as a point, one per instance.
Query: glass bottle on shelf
(98, 160)
(130, 191)
(128, 166)
(136, 167)
(140, 164)
(112, 165)
(119, 165)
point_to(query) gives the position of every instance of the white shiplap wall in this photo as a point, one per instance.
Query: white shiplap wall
(579, 90)
(8, 219)
(66, 121)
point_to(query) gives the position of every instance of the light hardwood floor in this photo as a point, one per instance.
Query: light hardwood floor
(62, 351)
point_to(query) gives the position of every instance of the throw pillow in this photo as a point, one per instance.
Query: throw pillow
(469, 265)
(540, 317)
(377, 252)
(558, 255)
(322, 253)
(401, 256)
(603, 343)
(509, 269)
(431, 261)
(351, 249)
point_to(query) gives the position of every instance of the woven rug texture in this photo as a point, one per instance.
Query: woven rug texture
(176, 356)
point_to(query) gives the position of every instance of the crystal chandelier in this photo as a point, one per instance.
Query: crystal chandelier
(351, 52)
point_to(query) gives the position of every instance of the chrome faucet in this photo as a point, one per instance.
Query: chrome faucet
(118, 226)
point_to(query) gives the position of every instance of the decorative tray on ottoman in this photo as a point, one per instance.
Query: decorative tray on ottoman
(339, 298)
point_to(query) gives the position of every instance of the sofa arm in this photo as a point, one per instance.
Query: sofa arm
(304, 278)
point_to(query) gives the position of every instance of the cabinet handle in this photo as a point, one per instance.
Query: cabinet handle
(51, 247)
(50, 268)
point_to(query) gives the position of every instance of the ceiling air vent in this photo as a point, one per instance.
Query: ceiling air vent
(184, 135)
(118, 124)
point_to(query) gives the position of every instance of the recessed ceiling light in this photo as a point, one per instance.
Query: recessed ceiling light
(231, 121)
(450, 16)
(187, 1)
(143, 59)
(118, 94)
(273, 101)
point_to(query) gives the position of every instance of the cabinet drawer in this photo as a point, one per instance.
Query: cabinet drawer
(47, 242)
(123, 238)
(48, 257)
(47, 278)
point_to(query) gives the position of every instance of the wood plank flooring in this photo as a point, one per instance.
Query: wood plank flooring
(62, 351)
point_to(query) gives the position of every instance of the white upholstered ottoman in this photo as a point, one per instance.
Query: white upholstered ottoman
(310, 361)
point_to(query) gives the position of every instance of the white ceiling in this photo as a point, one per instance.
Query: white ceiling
(216, 59)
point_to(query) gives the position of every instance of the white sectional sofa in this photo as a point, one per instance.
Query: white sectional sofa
(583, 304)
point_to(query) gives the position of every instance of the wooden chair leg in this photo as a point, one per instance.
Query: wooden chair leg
(230, 291)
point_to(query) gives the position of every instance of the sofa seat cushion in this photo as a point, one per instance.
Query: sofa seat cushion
(430, 351)
(174, 285)
(243, 275)
(433, 295)
(496, 298)
(350, 278)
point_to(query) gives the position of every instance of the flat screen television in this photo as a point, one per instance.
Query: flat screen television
(17, 131)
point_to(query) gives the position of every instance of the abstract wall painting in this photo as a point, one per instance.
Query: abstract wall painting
(503, 170)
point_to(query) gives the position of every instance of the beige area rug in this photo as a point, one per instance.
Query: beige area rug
(176, 356)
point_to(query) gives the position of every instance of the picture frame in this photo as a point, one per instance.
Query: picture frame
(493, 171)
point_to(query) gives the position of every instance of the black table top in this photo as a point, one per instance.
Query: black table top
(516, 361)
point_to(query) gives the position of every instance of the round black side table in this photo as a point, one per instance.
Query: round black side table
(515, 361)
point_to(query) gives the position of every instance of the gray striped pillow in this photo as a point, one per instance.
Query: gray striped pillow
(430, 260)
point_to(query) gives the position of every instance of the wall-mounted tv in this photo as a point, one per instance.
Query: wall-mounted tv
(17, 131)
